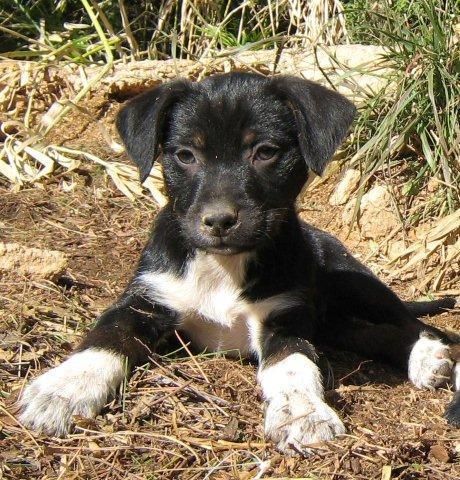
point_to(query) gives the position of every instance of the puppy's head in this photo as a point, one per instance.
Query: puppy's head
(235, 150)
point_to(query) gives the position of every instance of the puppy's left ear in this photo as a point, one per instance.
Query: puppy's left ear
(141, 122)
(323, 118)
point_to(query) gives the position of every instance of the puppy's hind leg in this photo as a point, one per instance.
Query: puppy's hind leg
(426, 359)
(380, 325)
(430, 362)
(364, 315)
(432, 359)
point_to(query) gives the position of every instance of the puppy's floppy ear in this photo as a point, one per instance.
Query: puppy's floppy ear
(323, 118)
(140, 123)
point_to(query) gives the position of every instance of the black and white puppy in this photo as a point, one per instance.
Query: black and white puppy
(230, 264)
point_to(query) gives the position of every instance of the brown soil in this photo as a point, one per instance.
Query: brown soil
(190, 419)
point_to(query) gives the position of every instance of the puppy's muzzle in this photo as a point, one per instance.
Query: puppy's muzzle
(219, 220)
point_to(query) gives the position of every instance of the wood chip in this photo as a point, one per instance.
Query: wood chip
(386, 472)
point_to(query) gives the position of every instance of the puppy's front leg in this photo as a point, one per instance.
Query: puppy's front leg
(123, 337)
(296, 414)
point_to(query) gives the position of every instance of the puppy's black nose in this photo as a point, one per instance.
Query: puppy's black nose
(219, 220)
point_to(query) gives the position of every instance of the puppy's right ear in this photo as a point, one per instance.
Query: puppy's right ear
(323, 117)
(140, 123)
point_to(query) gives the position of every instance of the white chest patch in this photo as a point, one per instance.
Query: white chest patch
(208, 296)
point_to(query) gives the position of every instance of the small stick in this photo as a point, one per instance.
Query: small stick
(192, 357)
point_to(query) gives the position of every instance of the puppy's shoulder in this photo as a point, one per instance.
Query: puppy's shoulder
(327, 250)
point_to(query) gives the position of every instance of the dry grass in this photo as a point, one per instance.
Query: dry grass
(26, 155)
(204, 25)
(434, 258)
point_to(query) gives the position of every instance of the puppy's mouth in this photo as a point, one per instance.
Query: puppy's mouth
(244, 235)
(221, 247)
(224, 250)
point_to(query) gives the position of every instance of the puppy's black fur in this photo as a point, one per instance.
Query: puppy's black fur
(307, 122)
(236, 151)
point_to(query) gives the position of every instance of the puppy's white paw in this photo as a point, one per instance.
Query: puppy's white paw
(79, 386)
(430, 365)
(296, 413)
(298, 420)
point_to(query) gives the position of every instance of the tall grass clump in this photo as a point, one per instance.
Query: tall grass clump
(415, 123)
(163, 29)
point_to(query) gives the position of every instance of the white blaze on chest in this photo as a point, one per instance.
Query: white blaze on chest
(209, 298)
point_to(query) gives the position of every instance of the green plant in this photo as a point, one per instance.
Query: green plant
(162, 29)
(368, 20)
(416, 120)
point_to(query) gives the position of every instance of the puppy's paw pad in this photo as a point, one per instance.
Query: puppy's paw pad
(296, 421)
(430, 365)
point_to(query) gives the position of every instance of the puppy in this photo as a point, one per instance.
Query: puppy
(230, 264)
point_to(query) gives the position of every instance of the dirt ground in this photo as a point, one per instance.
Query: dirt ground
(182, 417)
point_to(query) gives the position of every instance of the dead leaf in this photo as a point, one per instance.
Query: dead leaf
(230, 431)
(440, 453)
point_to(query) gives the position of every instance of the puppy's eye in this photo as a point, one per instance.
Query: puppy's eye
(265, 153)
(186, 157)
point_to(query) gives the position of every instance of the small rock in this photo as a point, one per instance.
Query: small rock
(433, 185)
(31, 262)
(376, 213)
(345, 188)
(395, 249)
(386, 472)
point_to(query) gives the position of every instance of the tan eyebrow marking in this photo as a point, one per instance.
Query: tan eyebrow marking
(248, 137)
(198, 140)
